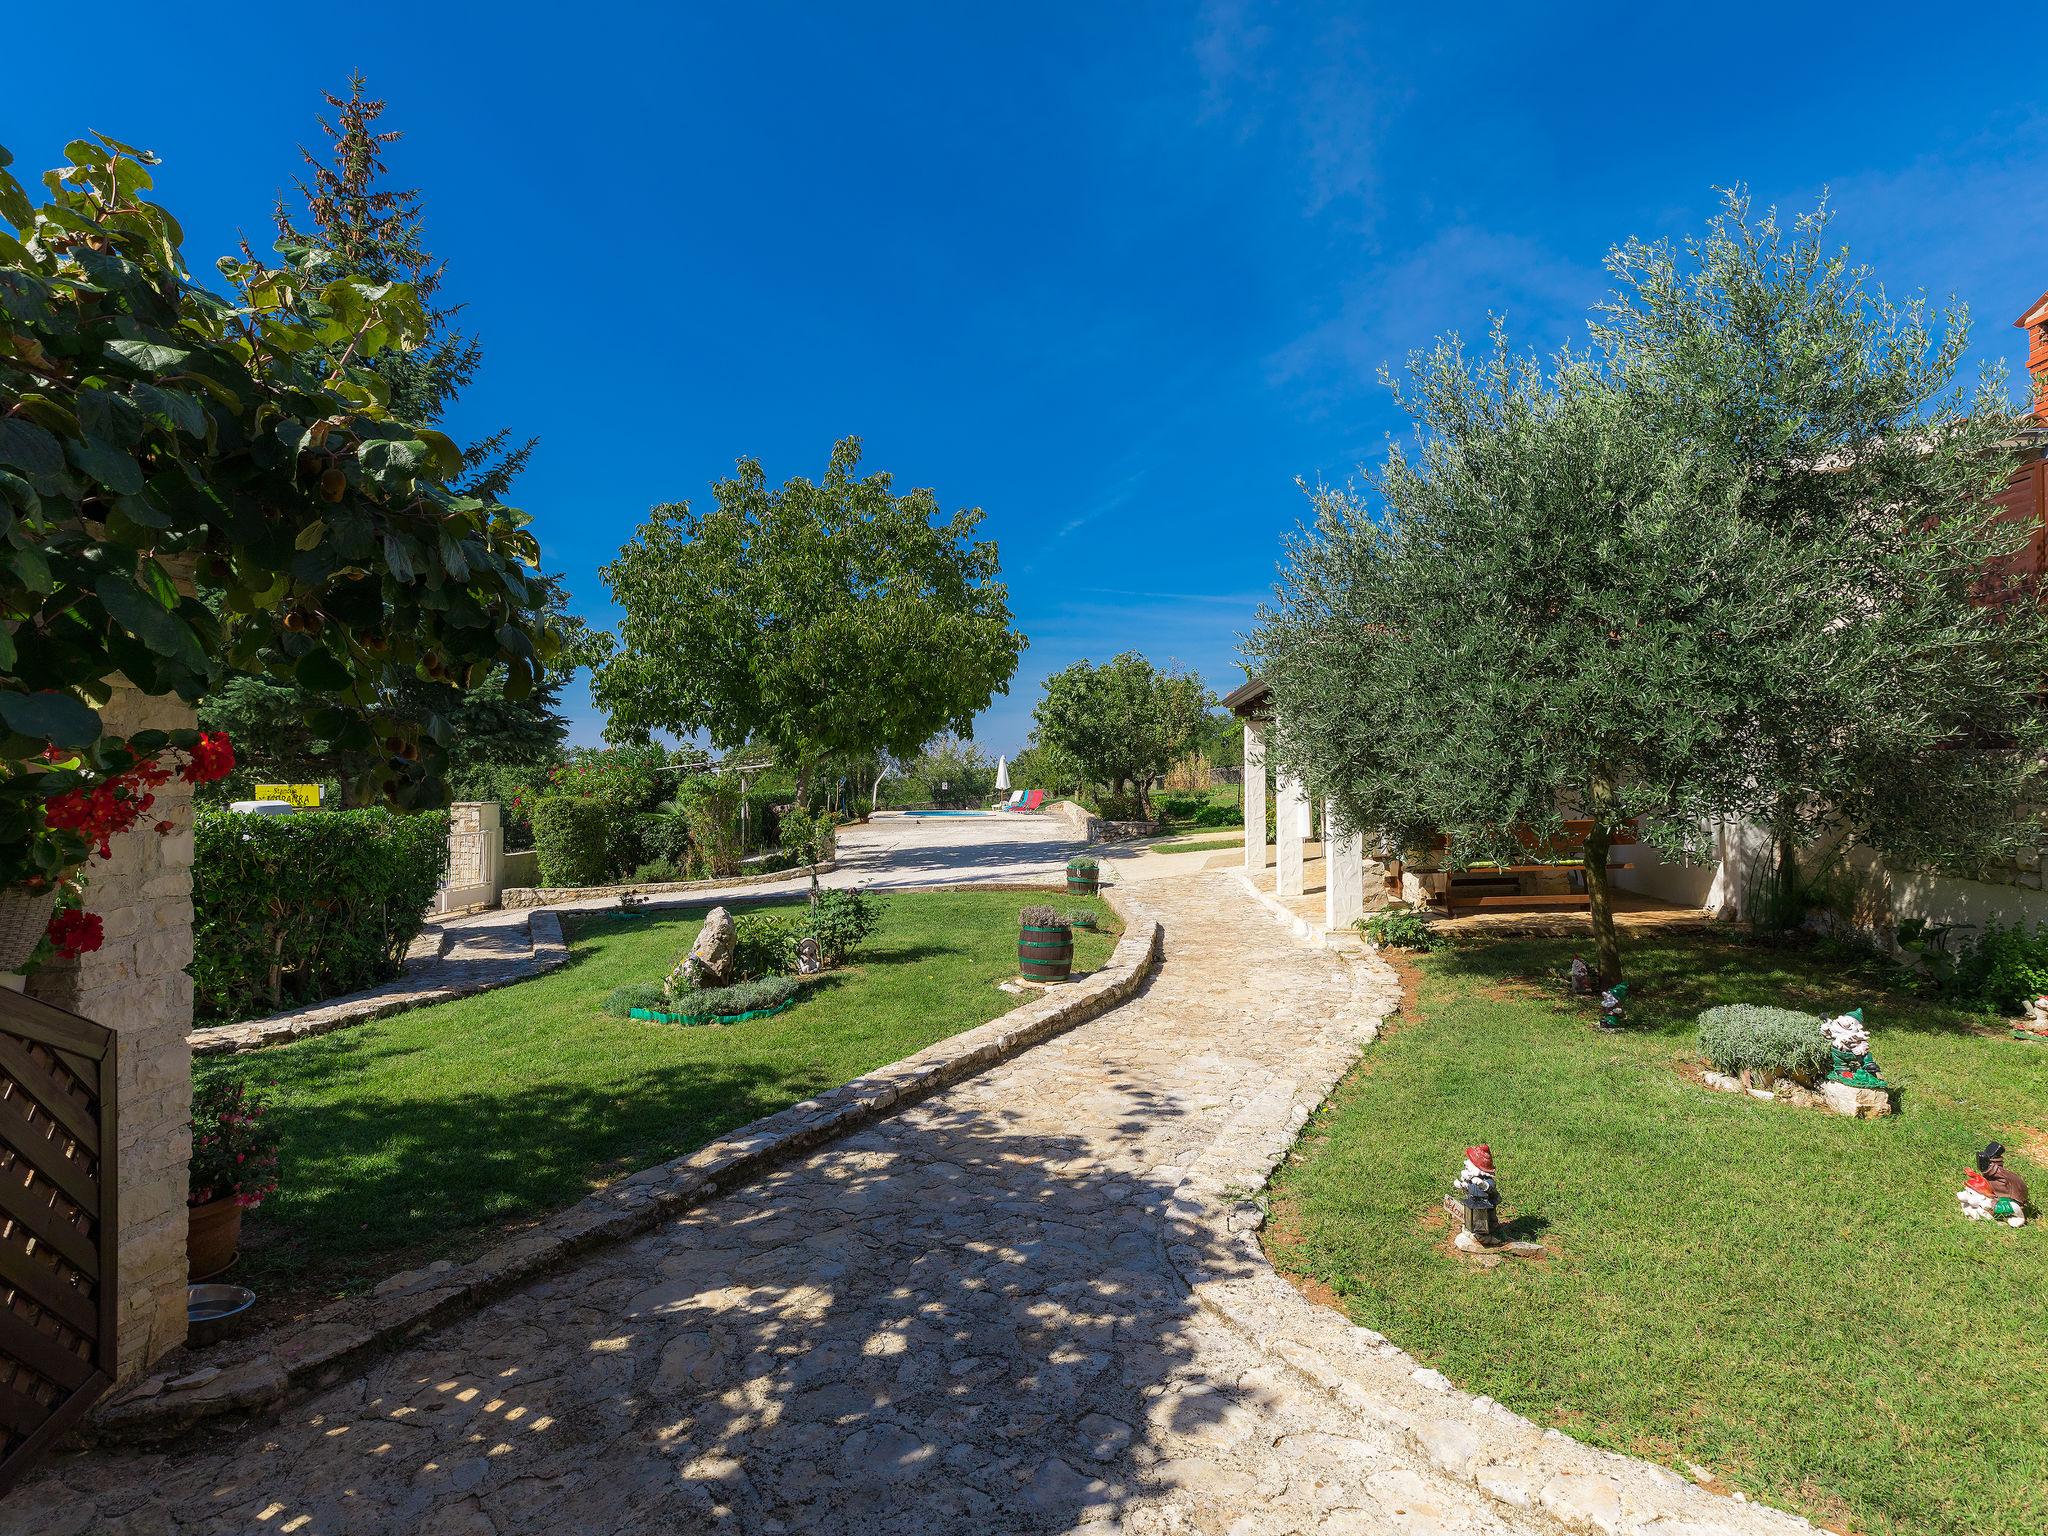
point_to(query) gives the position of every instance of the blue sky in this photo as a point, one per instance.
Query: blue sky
(1118, 274)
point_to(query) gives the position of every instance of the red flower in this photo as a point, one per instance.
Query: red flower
(166, 828)
(76, 933)
(212, 757)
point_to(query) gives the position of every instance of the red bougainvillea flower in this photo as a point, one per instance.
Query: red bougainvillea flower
(76, 933)
(212, 757)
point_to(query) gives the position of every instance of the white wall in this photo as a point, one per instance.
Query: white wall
(1744, 849)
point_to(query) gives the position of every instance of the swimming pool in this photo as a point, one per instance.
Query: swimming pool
(948, 813)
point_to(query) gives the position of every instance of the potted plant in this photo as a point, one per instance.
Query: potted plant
(1045, 944)
(1084, 876)
(234, 1167)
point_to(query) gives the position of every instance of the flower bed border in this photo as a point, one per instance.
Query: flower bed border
(655, 1016)
(335, 1342)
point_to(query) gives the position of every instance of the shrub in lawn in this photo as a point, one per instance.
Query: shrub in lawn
(621, 1001)
(711, 811)
(1177, 806)
(1397, 928)
(1998, 971)
(569, 834)
(725, 1002)
(1769, 1042)
(741, 997)
(293, 909)
(659, 872)
(664, 837)
(1214, 815)
(764, 943)
(841, 921)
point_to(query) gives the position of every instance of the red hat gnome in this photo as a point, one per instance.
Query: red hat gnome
(1480, 1157)
(1982, 1203)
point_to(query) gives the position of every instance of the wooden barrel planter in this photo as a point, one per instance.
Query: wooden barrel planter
(1084, 877)
(1045, 950)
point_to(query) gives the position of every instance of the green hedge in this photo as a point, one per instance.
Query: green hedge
(570, 834)
(1770, 1042)
(290, 910)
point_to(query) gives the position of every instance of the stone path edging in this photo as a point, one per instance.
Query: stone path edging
(1476, 1440)
(339, 1338)
(546, 951)
(546, 895)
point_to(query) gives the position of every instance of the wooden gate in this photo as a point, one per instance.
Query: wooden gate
(57, 1224)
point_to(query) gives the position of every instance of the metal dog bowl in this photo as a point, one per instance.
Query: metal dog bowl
(211, 1310)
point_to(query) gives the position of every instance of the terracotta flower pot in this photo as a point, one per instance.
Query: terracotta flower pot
(213, 1233)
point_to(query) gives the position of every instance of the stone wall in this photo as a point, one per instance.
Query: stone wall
(1085, 826)
(136, 985)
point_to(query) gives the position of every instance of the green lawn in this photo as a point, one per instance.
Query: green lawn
(435, 1131)
(1197, 845)
(1789, 1298)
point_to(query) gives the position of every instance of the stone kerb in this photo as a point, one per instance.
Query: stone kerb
(256, 1376)
(440, 978)
(547, 895)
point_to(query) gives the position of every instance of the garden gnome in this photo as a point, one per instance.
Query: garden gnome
(1982, 1203)
(1476, 1194)
(1850, 1042)
(1610, 1005)
(2003, 1181)
(1582, 977)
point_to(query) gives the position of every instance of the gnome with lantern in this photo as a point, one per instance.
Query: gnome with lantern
(1475, 1196)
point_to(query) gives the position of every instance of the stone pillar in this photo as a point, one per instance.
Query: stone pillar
(1291, 811)
(135, 984)
(1254, 797)
(1343, 873)
(476, 857)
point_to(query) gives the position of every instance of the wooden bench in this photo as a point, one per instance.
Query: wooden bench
(1455, 900)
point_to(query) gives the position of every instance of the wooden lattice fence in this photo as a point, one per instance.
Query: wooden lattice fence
(58, 1143)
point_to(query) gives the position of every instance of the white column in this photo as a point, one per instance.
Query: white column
(1343, 872)
(1291, 809)
(1254, 797)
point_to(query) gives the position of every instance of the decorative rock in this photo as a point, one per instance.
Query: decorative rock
(1856, 1103)
(709, 962)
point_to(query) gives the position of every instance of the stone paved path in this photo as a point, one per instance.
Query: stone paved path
(964, 1319)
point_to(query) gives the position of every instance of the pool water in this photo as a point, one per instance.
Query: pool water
(946, 813)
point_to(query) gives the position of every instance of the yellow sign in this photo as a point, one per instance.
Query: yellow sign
(297, 794)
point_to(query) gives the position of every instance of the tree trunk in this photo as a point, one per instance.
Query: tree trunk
(1600, 893)
(875, 795)
(1782, 910)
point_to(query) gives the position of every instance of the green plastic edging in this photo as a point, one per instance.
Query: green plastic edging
(654, 1017)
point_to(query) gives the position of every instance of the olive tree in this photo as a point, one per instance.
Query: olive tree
(820, 619)
(1519, 626)
(1897, 702)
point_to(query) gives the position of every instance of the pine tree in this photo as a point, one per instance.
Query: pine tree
(369, 229)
